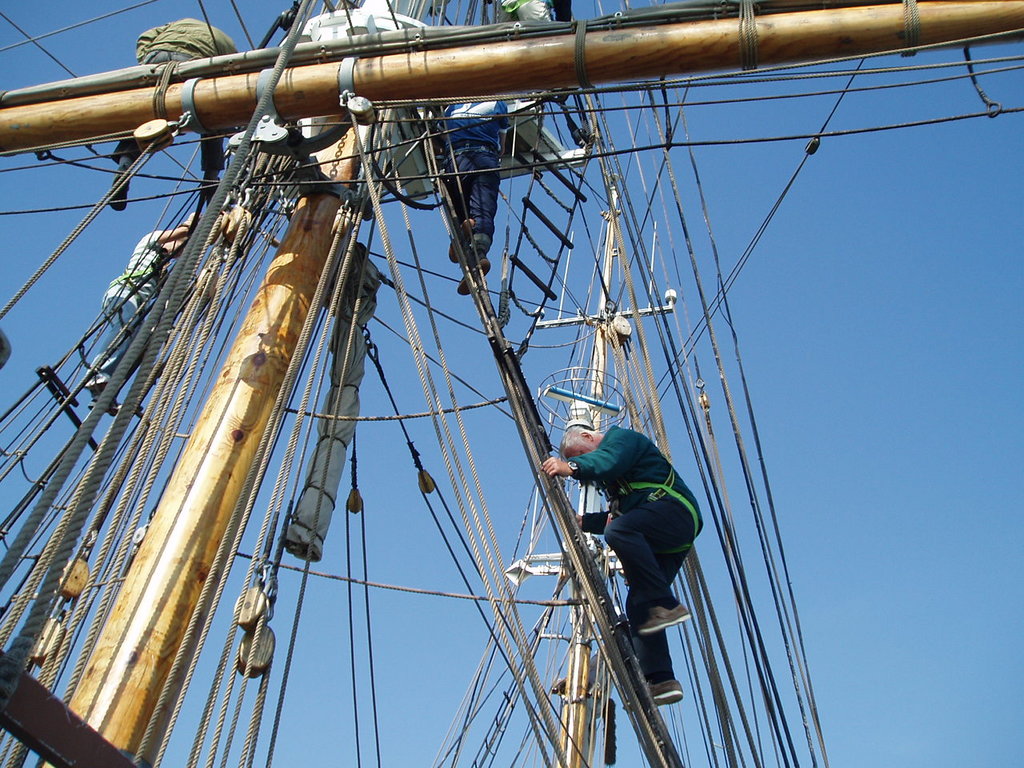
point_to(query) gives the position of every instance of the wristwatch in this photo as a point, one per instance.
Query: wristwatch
(573, 466)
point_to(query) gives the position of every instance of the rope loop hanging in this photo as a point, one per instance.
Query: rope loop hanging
(160, 91)
(748, 35)
(911, 26)
(993, 108)
(579, 54)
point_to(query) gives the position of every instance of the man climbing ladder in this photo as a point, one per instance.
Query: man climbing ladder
(475, 134)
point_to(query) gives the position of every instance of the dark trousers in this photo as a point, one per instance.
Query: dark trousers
(636, 538)
(474, 192)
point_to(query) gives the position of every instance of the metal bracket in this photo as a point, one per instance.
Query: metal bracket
(346, 76)
(189, 117)
(275, 137)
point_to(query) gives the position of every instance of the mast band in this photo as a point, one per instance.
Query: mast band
(346, 76)
(190, 118)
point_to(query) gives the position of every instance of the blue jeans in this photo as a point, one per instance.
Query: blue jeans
(474, 193)
(637, 537)
(121, 313)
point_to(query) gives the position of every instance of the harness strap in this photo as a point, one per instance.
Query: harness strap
(666, 489)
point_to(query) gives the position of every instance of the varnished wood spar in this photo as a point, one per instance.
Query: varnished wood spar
(515, 66)
(121, 686)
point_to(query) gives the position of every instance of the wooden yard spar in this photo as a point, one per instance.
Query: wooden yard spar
(512, 66)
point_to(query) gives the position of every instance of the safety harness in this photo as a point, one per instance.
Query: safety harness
(662, 490)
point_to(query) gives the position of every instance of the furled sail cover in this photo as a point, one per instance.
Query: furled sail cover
(312, 515)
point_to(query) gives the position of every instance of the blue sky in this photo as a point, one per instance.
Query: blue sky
(879, 321)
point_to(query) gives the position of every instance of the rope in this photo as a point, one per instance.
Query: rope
(993, 108)
(579, 54)
(160, 90)
(911, 26)
(79, 228)
(399, 417)
(483, 540)
(748, 35)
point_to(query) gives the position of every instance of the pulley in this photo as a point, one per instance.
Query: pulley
(355, 502)
(252, 605)
(76, 574)
(255, 652)
(157, 134)
(48, 642)
(426, 482)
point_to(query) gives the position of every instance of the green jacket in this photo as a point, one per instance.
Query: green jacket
(625, 457)
(189, 36)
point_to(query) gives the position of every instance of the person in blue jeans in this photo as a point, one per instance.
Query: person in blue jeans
(475, 139)
(653, 521)
(128, 295)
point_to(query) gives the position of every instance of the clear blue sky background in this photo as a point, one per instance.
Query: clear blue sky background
(880, 323)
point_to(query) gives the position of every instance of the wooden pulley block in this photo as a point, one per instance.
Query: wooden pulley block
(252, 606)
(154, 132)
(48, 642)
(355, 501)
(426, 481)
(233, 221)
(254, 656)
(76, 574)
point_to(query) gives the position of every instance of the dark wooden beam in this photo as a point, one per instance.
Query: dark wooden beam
(45, 724)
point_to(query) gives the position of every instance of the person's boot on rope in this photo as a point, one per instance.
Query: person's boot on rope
(475, 134)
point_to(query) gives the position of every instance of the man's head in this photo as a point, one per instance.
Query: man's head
(578, 440)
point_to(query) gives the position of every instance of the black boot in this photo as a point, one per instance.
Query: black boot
(124, 163)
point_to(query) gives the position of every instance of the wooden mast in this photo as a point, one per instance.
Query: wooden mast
(129, 668)
(511, 66)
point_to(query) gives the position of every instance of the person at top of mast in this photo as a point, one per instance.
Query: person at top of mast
(653, 521)
(181, 40)
(129, 293)
(534, 11)
(475, 134)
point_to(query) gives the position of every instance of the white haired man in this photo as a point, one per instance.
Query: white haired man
(653, 521)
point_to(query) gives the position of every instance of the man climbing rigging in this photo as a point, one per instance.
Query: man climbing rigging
(182, 40)
(128, 293)
(534, 11)
(475, 134)
(653, 521)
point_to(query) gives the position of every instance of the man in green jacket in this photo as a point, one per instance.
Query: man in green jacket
(653, 521)
(181, 40)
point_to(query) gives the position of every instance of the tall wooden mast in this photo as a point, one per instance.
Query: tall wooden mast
(129, 668)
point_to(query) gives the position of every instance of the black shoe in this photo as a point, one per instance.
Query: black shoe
(120, 199)
(485, 267)
(667, 692)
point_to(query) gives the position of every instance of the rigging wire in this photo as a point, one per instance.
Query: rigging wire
(35, 41)
(76, 25)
